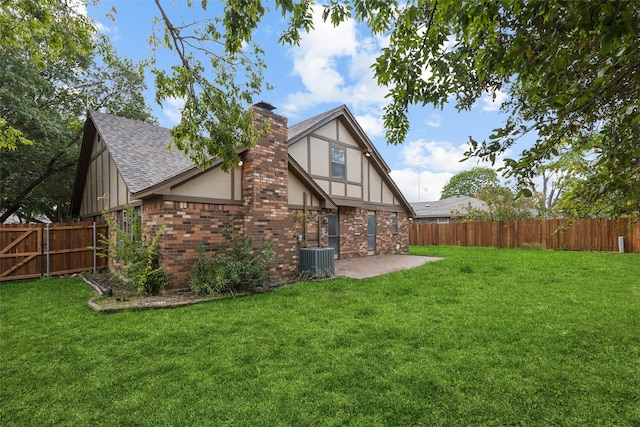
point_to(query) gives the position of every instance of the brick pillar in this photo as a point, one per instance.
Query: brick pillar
(265, 191)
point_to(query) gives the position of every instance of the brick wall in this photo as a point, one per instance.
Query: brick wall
(388, 242)
(353, 232)
(264, 213)
(265, 194)
(188, 225)
(315, 222)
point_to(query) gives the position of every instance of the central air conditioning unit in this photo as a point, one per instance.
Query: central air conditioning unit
(317, 262)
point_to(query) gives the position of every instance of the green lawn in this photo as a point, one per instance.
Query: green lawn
(485, 337)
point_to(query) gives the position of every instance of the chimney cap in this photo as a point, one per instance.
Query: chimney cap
(264, 105)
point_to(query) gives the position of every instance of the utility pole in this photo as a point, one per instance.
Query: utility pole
(419, 172)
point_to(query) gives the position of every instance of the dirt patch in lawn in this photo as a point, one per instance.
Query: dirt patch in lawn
(113, 295)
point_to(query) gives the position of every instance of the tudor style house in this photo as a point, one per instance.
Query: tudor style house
(325, 168)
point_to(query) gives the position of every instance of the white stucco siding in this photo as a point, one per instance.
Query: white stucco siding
(345, 137)
(297, 191)
(328, 131)
(214, 184)
(354, 165)
(375, 186)
(387, 194)
(338, 189)
(319, 157)
(324, 184)
(354, 191)
(300, 152)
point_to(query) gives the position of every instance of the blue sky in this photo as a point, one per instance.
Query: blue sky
(331, 67)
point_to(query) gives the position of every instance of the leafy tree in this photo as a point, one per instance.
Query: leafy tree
(469, 182)
(502, 205)
(561, 174)
(214, 123)
(45, 32)
(569, 67)
(44, 93)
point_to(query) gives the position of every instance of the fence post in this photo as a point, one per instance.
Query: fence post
(94, 247)
(621, 244)
(47, 253)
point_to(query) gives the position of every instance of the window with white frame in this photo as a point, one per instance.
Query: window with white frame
(337, 163)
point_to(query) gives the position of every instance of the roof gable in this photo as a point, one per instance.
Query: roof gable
(342, 113)
(140, 150)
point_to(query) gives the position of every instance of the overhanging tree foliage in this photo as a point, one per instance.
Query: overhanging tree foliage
(468, 183)
(45, 89)
(45, 32)
(569, 67)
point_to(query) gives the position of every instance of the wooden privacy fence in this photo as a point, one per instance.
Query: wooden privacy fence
(578, 235)
(29, 251)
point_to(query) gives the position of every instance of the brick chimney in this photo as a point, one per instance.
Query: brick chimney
(265, 190)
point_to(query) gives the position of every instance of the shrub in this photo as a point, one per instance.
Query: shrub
(236, 267)
(137, 251)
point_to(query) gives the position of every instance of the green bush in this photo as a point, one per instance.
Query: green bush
(236, 267)
(137, 251)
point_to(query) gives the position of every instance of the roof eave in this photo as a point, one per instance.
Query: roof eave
(88, 138)
(301, 174)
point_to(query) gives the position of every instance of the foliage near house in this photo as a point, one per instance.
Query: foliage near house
(234, 267)
(568, 68)
(53, 66)
(484, 337)
(135, 251)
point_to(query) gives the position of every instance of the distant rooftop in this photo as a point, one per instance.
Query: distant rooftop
(442, 208)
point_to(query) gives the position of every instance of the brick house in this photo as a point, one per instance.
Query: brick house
(325, 168)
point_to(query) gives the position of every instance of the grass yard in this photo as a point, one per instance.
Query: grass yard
(485, 337)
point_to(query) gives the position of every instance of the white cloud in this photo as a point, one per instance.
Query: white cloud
(491, 104)
(172, 110)
(434, 121)
(78, 6)
(439, 156)
(371, 124)
(427, 188)
(333, 64)
(434, 163)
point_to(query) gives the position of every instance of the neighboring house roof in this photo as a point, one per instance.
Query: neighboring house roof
(442, 208)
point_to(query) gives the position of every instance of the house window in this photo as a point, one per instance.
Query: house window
(394, 223)
(443, 220)
(126, 224)
(337, 163)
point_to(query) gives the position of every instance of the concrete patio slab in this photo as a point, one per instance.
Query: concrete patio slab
(375, 265)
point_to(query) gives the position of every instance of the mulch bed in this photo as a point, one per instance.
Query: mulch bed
(113, 295)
